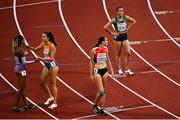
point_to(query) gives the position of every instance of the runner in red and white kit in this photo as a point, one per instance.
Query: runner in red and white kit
(99, 65)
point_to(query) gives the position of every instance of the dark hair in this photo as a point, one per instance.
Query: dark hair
(51, 37)
(17, 41)
(118, 8)
(100, 40)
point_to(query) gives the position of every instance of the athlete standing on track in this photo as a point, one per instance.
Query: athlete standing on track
(122, 23)
(50, 67)
(99, 64)
(19, 50)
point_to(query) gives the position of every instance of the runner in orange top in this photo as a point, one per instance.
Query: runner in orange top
(50, 67)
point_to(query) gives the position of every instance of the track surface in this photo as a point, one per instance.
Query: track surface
(149, 94)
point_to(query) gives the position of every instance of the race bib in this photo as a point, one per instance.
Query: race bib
(122, 27)
(101, 58)
(23, 73)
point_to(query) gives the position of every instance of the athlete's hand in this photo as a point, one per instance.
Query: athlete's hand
(26, 52)
(112, 75)
(115, 34)
(122, 32)
(39, 58)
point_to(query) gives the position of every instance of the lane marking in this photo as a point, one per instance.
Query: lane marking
(114, 110)
(28, 98)
(47, 26)
(157, 21)
(145, 72)
(138, 42)
(163, 12)
(28, 4)
(107, 14)
(169, 61)
(84, 64)
(20, 31)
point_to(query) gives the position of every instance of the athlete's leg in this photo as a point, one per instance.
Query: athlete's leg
(44, 75)
(104, 82)
(126, 46)
(100, 94)
(53, 74)
(118, 46)
(20, 88)
(23, 78)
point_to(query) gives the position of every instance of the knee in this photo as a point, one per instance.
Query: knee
(118, 54)
(128, 54)
(101, 93)
(21, 89)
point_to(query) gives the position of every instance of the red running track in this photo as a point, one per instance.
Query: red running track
(85, 19)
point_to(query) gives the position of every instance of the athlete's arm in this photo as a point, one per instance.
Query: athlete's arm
(108, 25)
(36, 48)
(131, 22)
(91, 65)
(27, 62)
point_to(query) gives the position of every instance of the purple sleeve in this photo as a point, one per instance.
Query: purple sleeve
(27, 62)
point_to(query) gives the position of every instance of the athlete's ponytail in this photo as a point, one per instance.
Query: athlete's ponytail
(100, 40)
(16, 44)
(51, 37)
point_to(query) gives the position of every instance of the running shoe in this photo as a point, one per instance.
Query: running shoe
(128, 72)
(96, 109)
(29, 106)
(52, 106)
(120, 72)
(102, 112)
(48, 101)
(18, 109)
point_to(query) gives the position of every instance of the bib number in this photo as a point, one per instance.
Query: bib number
(23, 73)
(122, 27)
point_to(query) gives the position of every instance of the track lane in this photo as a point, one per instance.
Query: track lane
(77, 106)
(64, 54)
(77, 22)
(176, 110)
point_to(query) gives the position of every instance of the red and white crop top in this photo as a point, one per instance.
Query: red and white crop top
(100, 55)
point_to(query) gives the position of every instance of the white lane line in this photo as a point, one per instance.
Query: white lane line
(73, 39)
(20, 31)
(29, 4)
(64, 22)
(169, 61)
(114, 110)
(28, 98)
(138, 42)
(145, 72)
(107, 14)
(154, 16)
(163, 12)
(47, 26)
(104, 4)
